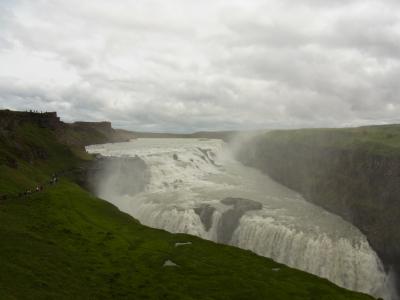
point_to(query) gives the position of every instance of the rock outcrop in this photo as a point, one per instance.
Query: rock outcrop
(78, 134)
(9, 120)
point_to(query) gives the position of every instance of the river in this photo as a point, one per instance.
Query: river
(195, 186)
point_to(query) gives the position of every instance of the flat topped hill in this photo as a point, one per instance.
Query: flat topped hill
(10, 119)
(380, 139)
(76, 135)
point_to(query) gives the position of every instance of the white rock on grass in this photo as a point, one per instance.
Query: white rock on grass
(169, 263)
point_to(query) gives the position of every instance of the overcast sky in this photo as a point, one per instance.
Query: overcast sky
(185, 65)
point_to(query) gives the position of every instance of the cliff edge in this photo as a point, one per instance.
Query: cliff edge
(77, 134)
(354, 173)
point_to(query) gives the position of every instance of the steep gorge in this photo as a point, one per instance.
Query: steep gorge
(354, 173)
(194, 186)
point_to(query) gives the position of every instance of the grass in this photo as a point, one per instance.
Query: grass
(64, 243)
(380, 140)
(29, 155)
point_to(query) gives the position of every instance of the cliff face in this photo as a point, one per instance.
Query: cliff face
(354, 173)
(78, 134)
(9, 120)
(103, 127)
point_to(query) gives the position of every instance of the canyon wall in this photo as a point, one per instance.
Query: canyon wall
(354, 173)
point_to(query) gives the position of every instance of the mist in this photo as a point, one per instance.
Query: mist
(197, 186)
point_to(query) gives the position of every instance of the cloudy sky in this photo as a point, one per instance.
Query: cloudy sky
(185, 65)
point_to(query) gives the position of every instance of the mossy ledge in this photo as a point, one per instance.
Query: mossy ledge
(64, 243)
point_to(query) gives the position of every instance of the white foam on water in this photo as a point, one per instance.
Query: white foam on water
(188, 173)
(349, 263)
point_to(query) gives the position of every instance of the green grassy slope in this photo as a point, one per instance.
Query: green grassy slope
(379, 140)
(78, 135)
(63, 243)
(29, 155)
(67, 244)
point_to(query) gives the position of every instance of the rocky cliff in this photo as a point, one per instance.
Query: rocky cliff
(9, 120)
(78, 134)
(354, 173)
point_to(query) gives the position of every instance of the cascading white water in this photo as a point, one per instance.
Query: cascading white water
(196, 187)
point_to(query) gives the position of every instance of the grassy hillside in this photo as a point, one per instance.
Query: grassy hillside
(29, 155)
(63, 243)
(379, 140)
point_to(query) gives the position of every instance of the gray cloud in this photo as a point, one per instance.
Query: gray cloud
(186, 65)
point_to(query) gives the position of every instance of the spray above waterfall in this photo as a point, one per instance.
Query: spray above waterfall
(195, 186)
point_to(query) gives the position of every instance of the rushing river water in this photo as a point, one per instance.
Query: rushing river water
(195, 186)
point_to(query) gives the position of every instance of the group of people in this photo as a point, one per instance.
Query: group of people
(54, 179)
(38, 188)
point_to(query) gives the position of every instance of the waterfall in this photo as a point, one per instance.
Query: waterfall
(195, 187)
(348, 263)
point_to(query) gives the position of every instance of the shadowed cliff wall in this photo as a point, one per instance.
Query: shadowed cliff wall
(354, 173)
